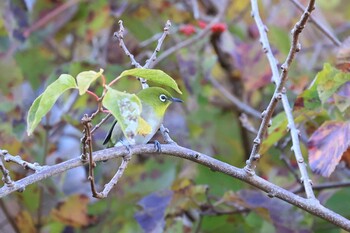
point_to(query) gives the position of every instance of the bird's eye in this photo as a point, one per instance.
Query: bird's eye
(163, 98)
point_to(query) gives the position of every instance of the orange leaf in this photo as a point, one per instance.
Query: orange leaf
(327, 146)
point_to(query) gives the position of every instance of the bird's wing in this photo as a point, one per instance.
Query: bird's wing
(109, 134)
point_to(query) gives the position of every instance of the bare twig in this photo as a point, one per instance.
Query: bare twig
(150, 40)
(187, 42)
(50, 16)
(233, 99)
(318, 25)
(87, 144)
(273, 190)
(165, 133)
(160, 42)
(18, 160)
(247, 124)
(120, 36)
(5, 173)
(286, 161)
(101, 122)
(108, 187)
(280, 93)
(319, 187)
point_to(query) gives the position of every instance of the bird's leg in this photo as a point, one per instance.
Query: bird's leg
(157, 145)
(127, 145)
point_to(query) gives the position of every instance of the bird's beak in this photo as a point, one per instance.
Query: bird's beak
(172, 99)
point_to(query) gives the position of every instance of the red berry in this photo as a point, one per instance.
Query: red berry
(202, 24)
(187, 29)
(218, 28)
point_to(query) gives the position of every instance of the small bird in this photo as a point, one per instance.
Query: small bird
(155, 101)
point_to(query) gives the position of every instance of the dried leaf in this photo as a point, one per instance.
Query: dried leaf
(25, 222)
(73, 212)
(327, 146)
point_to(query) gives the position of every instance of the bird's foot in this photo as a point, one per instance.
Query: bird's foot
(127, 146)
(157, 146)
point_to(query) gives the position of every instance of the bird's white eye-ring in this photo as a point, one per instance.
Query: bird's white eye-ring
(163, 98)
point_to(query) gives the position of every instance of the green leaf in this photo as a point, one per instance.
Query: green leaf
(85, 78)
(153, 75)
(329, 80)
(126, 108)
(278, 128)
(46, 100)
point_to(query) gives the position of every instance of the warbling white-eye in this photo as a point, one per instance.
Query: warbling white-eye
(155, 101)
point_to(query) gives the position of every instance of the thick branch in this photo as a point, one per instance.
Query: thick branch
(309, 205)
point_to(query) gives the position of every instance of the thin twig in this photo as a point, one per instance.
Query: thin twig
(233, 99)
(286, 161)
(87, 153)
(165, 133)
(160, 42)
(150, 40)
(319, 187)
(187, 42)
(308, 205)
(18, 160)
(50, 16)
(108, 187)
(120, 36)
(280, 93)
(318, 25)
(5, 173)
(101, 122)
(247, 124)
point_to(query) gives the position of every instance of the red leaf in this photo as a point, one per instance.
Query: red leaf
(327, 146)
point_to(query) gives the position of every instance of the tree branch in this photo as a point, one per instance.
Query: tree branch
(319, 187)
(309, 205)
(280, 93)
(318, 25)
(243, 107)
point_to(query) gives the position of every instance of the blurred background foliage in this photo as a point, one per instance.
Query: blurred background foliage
(41, 39)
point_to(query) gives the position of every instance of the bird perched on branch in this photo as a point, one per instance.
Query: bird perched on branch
(155, 101)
